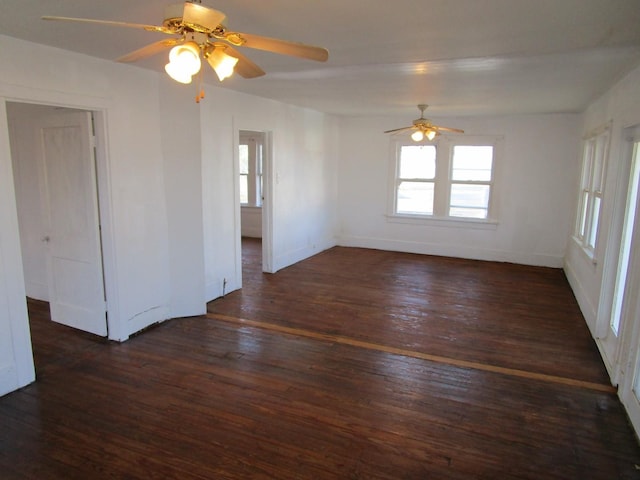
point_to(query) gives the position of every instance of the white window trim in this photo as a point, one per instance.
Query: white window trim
(444, 149)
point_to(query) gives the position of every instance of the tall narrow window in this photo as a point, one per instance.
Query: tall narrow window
(416, 179)
(244, 174)
(591, 185)
(471, 173)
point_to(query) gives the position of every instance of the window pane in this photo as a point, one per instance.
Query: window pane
(586, 163)
(595, 215)
(468, 212)
(598, 161)
(415, 197)
(583, 213)
(244, 189)
(418, 161)
(472, 163)
(469, 200)
(244, 159)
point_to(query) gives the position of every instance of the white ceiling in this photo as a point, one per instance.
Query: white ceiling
(462, 57)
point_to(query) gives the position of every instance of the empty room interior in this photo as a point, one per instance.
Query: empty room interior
(320, 240)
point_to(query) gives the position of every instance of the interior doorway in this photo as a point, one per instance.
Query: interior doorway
(255, 201)
(54, 157)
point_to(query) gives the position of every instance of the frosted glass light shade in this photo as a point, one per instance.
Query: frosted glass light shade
(184, 62)
(417, 135)
(222, 63)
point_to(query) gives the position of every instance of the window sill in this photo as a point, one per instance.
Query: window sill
(588, 253)
(449, 222)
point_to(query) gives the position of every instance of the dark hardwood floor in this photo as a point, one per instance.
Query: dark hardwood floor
(354, 364)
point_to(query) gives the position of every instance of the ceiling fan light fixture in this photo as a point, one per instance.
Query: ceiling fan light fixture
(222, 63)
(431, 134)
(184, 62)
(417, 136)
(177, 74)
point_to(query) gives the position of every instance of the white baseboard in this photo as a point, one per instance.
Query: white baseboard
(8, 379)
(474, 253)
(148, 317)
(295, 256)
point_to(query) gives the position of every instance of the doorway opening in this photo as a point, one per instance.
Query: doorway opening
(255, 204)
(54, 159)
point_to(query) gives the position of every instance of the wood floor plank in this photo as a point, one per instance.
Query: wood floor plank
(424, 356)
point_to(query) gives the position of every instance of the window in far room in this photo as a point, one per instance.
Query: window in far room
(250, 157)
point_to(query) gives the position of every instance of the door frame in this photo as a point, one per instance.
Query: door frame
(104, 198)
(268, 197)
(16, 366)
(629, 351)
(267, 202)
(612, 348)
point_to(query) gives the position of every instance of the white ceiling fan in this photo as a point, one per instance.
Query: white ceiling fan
(198, 32)
(424, 128)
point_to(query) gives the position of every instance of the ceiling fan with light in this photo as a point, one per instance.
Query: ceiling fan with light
(424, 128)
(199, 33)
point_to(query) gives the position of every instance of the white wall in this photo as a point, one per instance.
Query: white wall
(620, 106)
(182, 153)
(534, 188)
(302, 167)
(141, 254)
(16, 360)
(251, 219)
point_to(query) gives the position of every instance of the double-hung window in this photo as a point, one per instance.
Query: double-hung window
(594, 162)
(415, 183)
(250, 156)
(471, 179)
(448, 178)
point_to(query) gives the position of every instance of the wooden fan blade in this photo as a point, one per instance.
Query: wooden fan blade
(149, 28)
(149, 50)
(400, 129)
(276, 45)
(245, 67)
(448, 129)
(201, 18)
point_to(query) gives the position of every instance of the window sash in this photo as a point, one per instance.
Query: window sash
(477, 204)
(250, 168)
(415, 197)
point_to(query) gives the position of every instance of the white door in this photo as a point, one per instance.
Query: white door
(74, 254)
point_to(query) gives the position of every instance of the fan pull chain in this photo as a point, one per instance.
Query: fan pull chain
(200, 94)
